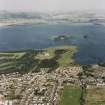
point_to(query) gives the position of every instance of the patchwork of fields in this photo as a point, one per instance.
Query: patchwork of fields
(71, 95)
(33, 60)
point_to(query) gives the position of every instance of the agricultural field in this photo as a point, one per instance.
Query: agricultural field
(8, 61)
(70, 96)
(95, 96)
(33, 60)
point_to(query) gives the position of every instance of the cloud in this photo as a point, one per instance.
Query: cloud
(50, 5)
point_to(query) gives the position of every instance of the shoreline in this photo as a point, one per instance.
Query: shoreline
(33, 22)
(36, 49)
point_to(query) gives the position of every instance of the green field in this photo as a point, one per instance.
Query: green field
(66, 59)
(63, 54)
(70, 96)
(33, 60)
(95, 96)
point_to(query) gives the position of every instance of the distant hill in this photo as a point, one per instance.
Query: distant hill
(81, 16)
(24, 15)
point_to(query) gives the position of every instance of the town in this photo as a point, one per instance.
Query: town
(45, 88)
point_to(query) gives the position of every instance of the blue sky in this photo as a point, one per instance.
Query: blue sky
(51, 5)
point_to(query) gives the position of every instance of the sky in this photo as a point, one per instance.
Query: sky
(51, 5)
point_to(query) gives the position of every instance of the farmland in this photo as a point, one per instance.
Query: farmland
(33, 60)
(70, 96)
(95, 96)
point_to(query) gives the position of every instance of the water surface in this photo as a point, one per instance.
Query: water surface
(91, 49)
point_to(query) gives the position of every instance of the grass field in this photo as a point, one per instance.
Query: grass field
(66, 59)
(8, 61)
(70, 96)
(63, 58)
(16, 55)
(95, 96)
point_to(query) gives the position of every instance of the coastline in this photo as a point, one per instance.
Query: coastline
(21, 22)
(10, 24)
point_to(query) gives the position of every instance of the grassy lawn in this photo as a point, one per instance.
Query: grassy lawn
(95, 96)
(70, 96)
